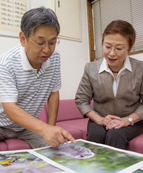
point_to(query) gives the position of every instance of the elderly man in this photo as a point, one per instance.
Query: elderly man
(30, 76)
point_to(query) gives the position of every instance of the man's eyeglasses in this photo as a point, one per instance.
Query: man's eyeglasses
(43, 44)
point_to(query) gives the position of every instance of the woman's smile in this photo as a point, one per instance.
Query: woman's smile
(112, 60)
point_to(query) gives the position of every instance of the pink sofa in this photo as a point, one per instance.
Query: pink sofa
(70, 119)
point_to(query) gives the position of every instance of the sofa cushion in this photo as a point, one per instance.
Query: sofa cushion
(16, 144)
(68, 111)
(3, 146)
(74, 127)
(136, 144)
(74, 132)
(44, 114)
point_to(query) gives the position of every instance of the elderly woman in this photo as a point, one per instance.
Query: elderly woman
(115, 83)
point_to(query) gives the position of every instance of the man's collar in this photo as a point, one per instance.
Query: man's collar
(26, 64)
(104, 65)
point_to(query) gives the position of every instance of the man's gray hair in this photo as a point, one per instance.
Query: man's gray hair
(37, 17)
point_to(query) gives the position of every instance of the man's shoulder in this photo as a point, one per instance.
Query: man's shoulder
(55, 57)
(10, 54)
(56, 53)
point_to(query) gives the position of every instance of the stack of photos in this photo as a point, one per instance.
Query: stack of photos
(82, 157)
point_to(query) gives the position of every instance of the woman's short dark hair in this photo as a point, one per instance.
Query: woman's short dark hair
(37, 17)
(123, 28)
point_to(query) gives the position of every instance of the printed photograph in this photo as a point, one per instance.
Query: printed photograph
(82, 156)
(24, 162)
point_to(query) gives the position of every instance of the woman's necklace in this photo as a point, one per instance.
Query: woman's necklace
(115, 71)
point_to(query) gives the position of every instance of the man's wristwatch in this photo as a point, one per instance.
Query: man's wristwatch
(130, 120)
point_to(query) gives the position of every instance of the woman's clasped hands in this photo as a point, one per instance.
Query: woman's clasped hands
(113, 122)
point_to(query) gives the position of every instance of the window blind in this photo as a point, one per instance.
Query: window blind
(104, 11)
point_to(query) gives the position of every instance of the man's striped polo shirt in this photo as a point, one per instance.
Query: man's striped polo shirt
(20, 83)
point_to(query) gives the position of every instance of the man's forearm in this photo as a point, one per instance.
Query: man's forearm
(22, 118)
(52, 134)
(53, 105)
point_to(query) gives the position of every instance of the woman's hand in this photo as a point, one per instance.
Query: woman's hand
(104, 121)
(109, 118)
(117, 124)
(112, 121)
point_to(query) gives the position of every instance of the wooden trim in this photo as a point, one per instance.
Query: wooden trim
(90, 31)
(136, 52)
